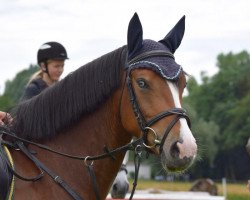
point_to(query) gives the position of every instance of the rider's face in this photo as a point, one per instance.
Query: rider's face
(55, 69)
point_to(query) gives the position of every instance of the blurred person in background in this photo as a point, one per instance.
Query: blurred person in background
(50, 58)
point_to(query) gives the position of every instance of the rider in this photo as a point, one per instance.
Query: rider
(50, 58)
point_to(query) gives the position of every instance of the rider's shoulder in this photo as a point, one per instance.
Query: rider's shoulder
(37, 83)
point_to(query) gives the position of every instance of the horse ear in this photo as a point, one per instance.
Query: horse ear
(173, 39)
(134, 37)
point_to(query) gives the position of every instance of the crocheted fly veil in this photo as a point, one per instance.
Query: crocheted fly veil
(163, 65)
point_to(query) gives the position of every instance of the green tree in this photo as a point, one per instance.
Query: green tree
(14, 88)
(224, 99)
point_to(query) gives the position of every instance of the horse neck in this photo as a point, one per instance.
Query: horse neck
(103, 127)
(89, 137)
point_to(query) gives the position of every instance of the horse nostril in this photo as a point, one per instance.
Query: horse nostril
(127, 187)
(174, 151)
(115, 187)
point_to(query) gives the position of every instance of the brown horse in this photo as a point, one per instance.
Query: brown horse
(134, 91)
(205, 185)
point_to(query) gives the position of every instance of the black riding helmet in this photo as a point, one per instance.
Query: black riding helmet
(51, 51)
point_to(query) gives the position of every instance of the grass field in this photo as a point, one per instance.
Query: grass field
(234, 191)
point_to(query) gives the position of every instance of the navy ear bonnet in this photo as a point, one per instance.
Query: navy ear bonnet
(156, 56)
(164, 66)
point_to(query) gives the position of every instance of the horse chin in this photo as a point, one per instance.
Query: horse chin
(176, 165)
(118, 196)
(119, 193)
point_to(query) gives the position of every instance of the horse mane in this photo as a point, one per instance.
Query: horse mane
(64, 103)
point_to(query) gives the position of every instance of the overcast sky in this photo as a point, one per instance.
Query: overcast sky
(91, 28)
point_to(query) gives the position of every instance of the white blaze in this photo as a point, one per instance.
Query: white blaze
(189, 144)
(125, 159)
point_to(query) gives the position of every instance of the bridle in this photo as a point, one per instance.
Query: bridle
(145, 125)
(137, 145)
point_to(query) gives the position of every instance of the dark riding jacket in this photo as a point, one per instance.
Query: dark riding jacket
(34, 88)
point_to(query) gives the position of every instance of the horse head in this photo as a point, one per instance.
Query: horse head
(155, 85)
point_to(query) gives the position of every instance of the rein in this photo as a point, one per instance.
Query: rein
(137, 145)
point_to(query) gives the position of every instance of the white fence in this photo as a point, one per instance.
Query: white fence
(169, 195)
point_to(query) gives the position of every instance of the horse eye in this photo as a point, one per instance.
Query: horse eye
(142, 83)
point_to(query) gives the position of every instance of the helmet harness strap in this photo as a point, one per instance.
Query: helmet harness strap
(46, 70)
